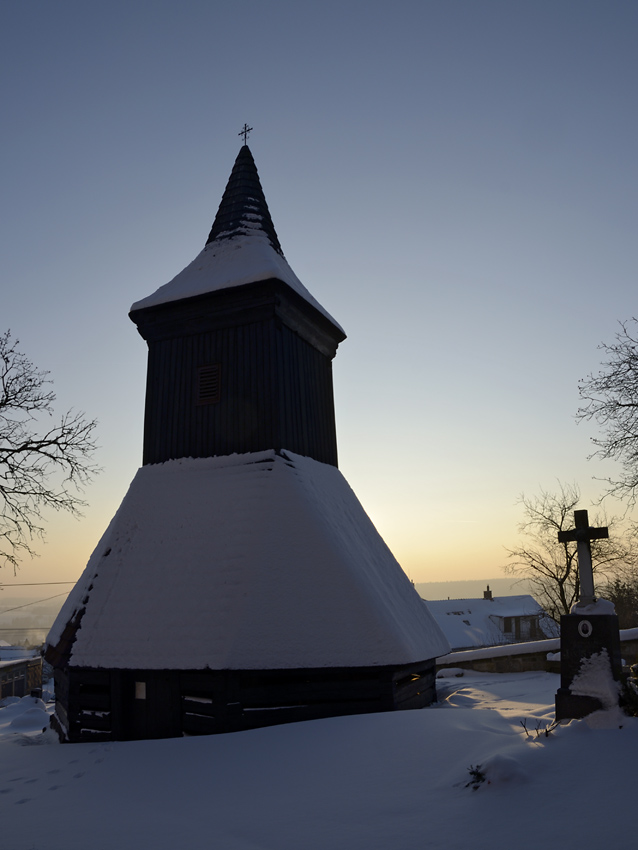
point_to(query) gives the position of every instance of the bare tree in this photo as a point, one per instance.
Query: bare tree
(610, 398)
(623, 592)
(41, 465)
(552, 567)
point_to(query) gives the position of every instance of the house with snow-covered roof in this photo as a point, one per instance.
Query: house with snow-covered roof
(20, 670)
(240, 583)
(492, 621)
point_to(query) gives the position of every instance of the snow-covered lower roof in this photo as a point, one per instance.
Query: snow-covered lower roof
(251, 561)
(475, 622)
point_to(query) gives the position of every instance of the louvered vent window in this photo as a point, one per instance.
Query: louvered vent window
(208, 384)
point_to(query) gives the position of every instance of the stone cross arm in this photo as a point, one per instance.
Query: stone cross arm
(583, 530)
(582, 534)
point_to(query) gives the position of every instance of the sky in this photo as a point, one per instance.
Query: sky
(455, 182)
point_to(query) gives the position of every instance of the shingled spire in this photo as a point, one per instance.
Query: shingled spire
(242, 248)
(243, 207)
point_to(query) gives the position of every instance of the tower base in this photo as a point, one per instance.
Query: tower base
(121, 705)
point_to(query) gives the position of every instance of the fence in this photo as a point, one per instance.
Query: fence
(522, 657)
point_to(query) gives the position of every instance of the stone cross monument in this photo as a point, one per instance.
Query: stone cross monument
(588, 630)
(583, 534)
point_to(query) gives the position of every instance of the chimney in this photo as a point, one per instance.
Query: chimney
(487, 594)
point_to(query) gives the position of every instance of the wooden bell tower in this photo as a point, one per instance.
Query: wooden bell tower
(240, 583)
(242, 368)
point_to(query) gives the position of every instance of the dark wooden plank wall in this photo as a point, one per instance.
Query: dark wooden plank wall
(83, 704)
(276, 393)
(101, 705)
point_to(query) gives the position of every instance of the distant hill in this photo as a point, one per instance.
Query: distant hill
(471, 588)
(24, 620)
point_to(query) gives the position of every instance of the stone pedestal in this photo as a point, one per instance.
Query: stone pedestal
(581, 636)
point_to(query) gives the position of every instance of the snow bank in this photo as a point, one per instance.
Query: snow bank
(394, 780)
(503, 770)
(26, 714)
(595, 679)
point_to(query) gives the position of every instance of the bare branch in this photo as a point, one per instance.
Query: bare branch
(40, 467)
(552, 567)
(610, 399)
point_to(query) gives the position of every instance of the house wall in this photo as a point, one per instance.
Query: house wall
(18, 678)
(521, 628)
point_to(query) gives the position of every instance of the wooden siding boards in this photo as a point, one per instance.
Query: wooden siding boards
(100, 705)
(275, 375)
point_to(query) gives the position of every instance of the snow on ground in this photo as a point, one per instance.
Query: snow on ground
(395, 781)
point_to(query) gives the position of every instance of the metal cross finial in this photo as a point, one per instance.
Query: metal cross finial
(245, 131)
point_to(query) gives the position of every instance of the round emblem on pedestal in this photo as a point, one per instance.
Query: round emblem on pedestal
(585, 628)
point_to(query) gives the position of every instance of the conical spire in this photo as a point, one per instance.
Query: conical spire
(242, 222)
(243, 207)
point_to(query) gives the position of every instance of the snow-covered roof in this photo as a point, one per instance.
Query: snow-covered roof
(251, 561)
(221, 265)
(13, 653)
(475, 622)
(242, 247)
